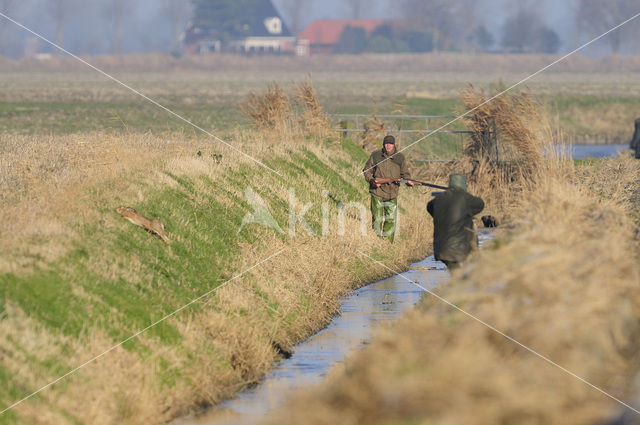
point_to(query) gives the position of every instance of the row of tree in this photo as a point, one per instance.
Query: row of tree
(386, 39)
(106, 23)
(594, 17)
(456, 25)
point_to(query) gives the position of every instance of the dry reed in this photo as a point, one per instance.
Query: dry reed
(374, 132)
(269, 110)
(509, 134)
(515, 117)
(313, 116)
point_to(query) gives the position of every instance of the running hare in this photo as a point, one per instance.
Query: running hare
(151, 225)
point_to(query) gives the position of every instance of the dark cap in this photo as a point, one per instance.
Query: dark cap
(389, 139)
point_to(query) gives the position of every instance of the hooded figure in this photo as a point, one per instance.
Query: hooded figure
(635, 140)
(453, 234)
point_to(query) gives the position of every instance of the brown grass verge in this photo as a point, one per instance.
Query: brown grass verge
(563, 281)
(68, 181)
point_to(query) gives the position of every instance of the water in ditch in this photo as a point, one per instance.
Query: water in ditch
(361, 312)
(591, 151)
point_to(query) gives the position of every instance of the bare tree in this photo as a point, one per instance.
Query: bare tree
(60, 11)
(520, 28)
(525, 32)
(8, 8)
(355, 8)
(117, 11)
(525, 29)
(178, 13)
(450, 22)
(296, 11)
(594, 17)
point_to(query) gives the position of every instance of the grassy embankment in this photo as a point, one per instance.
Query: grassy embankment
(562, 279)
(76, 278)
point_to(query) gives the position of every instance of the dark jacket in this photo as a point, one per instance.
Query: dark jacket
(635, 140)
(378, 166)
(453, 234)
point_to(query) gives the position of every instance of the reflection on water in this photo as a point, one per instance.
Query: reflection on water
(362, 311)
(590, 151)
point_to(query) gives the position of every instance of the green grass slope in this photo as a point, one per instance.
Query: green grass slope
(115, 279)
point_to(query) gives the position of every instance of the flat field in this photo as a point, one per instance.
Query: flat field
(590, 99)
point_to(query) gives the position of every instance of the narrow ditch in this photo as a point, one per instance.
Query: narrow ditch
(361, 313)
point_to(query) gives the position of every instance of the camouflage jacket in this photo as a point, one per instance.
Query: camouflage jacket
(383, 165)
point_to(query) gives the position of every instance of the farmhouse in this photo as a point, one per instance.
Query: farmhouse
(218, 27)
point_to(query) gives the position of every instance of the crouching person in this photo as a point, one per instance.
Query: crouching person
(452, 210)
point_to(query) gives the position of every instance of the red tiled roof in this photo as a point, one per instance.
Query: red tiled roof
(327, 31)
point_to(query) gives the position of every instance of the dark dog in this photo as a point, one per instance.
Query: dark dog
(489, 221)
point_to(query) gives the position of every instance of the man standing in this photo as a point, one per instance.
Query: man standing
(452, 210)
(385, 164)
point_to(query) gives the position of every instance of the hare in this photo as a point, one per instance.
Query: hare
(151, 225)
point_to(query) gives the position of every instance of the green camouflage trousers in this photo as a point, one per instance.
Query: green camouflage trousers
(384, 215)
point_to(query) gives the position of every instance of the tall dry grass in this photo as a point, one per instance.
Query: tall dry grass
(67, 182)
(313, 116)
(562, 281)
(510, 129)
(269, 110)
(374, 132)
(44, 185)
(277, 111)
(226, 347)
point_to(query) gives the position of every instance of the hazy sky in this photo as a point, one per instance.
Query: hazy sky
(146, 28)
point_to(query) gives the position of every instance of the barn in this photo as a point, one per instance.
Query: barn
(322, 35)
